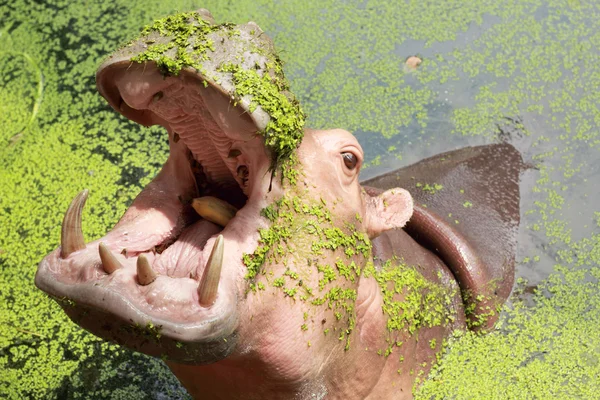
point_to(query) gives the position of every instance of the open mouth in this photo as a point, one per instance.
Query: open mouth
(206, 179)
(167, 279)
(159, 270)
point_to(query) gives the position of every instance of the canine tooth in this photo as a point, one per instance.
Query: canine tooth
(214, 210)
(71, 235)
(146, 275)
(209, 285)
(109, 261)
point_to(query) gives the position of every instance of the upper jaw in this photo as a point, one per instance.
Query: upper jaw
(213, 131)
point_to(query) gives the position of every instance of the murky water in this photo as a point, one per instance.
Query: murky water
(524, 71)
(571, 166)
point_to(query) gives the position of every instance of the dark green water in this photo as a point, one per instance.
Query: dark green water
(516, 70)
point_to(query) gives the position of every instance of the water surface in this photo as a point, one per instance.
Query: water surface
(523, 71)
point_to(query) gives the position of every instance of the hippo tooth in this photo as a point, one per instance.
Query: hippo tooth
(214, 210)
(145, 274)
(109, 261)
(71, 235)
(209, 285)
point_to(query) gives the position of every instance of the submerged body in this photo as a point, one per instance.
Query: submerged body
(257, 265)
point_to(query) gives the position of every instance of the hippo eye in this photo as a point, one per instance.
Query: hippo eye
(350, 160)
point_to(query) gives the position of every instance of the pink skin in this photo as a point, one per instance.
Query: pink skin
(268, 356)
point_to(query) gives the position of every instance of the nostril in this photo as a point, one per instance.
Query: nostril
(242, 174)
(233, 153)
(157, 96)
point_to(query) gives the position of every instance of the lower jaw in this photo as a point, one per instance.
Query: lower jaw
(111, 303)
(184, 331)
(150, 339)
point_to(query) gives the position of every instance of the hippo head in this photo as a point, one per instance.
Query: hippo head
(253, 236)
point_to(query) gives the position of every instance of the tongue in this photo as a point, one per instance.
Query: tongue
(183, 257)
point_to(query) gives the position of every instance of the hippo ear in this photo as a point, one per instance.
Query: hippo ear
(388, 210)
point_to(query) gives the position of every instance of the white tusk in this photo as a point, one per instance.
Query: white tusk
(109, 261)
(209, 285)
(71, 235)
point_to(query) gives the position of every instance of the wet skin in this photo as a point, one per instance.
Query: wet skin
(172, 278)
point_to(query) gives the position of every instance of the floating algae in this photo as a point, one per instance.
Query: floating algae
(520, 70)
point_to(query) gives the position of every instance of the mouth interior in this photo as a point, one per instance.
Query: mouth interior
(207, 136)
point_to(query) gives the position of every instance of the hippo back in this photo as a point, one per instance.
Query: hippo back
(473, 193)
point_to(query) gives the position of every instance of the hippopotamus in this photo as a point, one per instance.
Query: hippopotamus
(256, 264)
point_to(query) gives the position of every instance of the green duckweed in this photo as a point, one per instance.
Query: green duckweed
(522, 70)
(339, 253)
(191, 42)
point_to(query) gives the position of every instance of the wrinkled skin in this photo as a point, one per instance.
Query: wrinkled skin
(252, 340)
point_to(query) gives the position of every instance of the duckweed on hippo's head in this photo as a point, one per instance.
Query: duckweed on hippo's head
(482, 61)
(253, 71)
